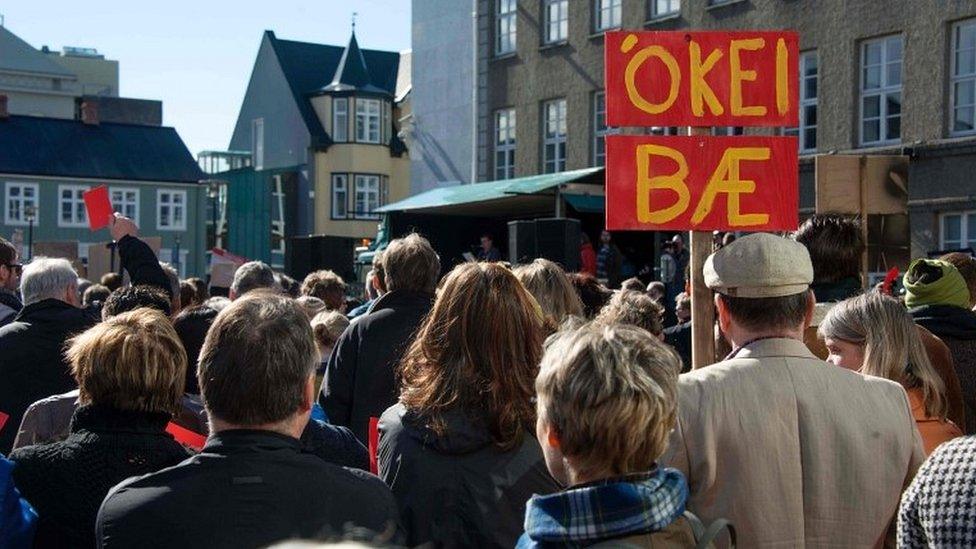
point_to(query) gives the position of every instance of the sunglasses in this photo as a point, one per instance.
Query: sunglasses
(14, 267)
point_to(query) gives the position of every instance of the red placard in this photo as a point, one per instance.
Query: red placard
(186, 437)
(3, 420)
(99, 207)
(702, 183)
(373, 445)
(741, 78)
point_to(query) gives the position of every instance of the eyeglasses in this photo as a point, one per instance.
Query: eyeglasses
(14, 267)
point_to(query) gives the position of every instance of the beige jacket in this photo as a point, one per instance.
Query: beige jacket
(793, 451)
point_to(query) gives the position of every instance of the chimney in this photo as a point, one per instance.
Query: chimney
(89, 112)
(4, 113)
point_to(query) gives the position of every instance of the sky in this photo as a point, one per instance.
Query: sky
(197, 56)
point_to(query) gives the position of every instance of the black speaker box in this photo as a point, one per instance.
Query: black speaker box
(521, 242)
(305, 254)
(558, 240)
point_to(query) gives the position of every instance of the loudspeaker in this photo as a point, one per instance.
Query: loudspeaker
(305, 254)
(521, 242)
(558, 240)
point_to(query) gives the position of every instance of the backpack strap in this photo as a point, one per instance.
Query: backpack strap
(704, 537)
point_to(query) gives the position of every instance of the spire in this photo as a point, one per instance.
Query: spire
(352, 71)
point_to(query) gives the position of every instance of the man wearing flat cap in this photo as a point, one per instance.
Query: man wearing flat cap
(794, 451)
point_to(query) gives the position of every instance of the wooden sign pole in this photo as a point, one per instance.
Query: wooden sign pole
(702, 304)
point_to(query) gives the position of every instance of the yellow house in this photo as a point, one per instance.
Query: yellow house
(364, 164)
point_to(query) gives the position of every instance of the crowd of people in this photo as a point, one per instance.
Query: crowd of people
(493, 405)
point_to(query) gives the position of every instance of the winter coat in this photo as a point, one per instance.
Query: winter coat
(10, 306)
(460, 489)
(18, 520)
(956, 327)
(248, 488)
(360, 379)
(66, 481)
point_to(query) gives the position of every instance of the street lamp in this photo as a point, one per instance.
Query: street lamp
(30, 213)
(213, 192)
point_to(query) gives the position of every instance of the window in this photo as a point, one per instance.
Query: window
(257, 143)
(807, 131)
(71, 206)
(662, 130)
(506, 17)
(958, 231)
(171, 210)
(881, 90)
(607, 14)
(18, 198)
(662, 8)
(340, 195)
(367, 196)
(505, 144)
(340, 119)
(126, 202)
(557, 20)
(962, 88)
(554, 136)
(368, 120)
(600, 130)
(727, 130)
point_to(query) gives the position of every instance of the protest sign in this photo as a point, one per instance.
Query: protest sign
(99, 207)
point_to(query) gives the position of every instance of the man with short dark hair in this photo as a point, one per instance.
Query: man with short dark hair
(835, 245)
(253, 479)
(488, 251)
(10, 271)
(785, 446)
(679, 335)
(135, 297)
(253, 275)
(360, 381)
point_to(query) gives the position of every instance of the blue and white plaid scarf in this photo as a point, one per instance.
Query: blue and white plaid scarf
(637, 504)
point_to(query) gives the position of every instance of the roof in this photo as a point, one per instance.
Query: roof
(309, 68)
(32, 145)
(352, 73)
(17, 55)
(481, 198)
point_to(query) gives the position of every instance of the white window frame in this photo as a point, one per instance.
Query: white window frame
(728, 130)
(76, 200)
(957, 79)
(600, 129)
(554, 134)
(121, 204)
(21, 220)
(556, 21)
(340, 179)
(883, 91)
(361, 184)
(964, 229)
(662, 130)
(370, 111)
(170, 226)
(505, 142)
(807, 102)
(340, 119)
(607, 14)
(671, 7)
(257, 143)
(506, 26)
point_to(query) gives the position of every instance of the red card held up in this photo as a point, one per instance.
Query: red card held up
(3, 420)
(99, 207)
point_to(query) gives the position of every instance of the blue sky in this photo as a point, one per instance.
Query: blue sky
(197, 56)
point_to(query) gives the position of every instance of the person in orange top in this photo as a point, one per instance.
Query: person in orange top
(874, 335)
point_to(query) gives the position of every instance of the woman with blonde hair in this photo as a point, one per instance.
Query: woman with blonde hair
(459, 450)
(875, 335)
(552, 289)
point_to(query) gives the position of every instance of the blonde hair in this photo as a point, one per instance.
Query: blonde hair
(131, 361)
(552, 290)
(892, 347)
(311, 305)
(634, 308)
(610, 392)
(328, 326)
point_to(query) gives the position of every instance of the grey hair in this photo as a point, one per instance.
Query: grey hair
(47, 278)
(252, 275)
(173, 277)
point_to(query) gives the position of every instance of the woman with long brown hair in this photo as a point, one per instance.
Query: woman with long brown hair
(459, 450)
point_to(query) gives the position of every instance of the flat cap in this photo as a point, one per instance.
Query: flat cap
(760, 265)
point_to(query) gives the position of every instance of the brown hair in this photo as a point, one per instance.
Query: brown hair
(966, 265)
(188, 294)
(7, 252)
(634, 308)
(551, 288)
(411, 264)
(112, 281)
(131, 361)
(768, 313)
(633, 284)
(593, 294)
(327, 286)
(477, 350)
(835, 245)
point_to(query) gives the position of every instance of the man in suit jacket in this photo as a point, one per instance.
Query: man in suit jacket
(795, 452)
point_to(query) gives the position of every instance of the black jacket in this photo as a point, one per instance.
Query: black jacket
(66, 481)
(956, 327)
(459, 490)
(679, 337)
(136, 257)
(360, 380)
(247, 489)
(32, 363)
(10, 306)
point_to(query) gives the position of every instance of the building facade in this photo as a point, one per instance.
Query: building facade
(894, 77)
(330, 116)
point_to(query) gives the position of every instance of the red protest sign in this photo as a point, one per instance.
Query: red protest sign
(702, 183)
(3, 420)
(99, 207)
(186, 437)
(741, 78)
